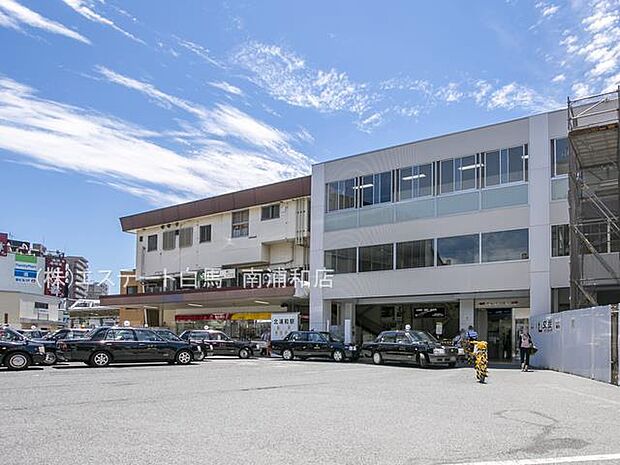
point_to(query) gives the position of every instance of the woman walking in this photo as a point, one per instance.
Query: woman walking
(525, 348)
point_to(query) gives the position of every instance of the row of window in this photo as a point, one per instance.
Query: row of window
(240, 227)
(477, 171)
(441, 177)
(599, 234)
(471, 248)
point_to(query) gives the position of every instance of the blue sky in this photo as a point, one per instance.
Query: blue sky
(109, 108)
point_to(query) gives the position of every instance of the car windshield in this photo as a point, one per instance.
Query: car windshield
(332, 338)
(422, 336)
(7, 334)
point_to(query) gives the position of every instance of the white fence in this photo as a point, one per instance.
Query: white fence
(576, 341)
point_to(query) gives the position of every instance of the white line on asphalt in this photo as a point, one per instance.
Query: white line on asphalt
(575, 459)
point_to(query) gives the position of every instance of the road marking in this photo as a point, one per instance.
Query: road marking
(574, 459)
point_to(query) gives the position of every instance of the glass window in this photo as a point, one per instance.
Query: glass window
(241, 223)
(186, 237)
(376, 257)
(466, 169)
(447, 176)
(503, 163)
(341, 260)
(151, 243)
(505, 245)
(383, 187)
(205, 233)
(346, 189)
(515, 164)
(402, 338)
(169, 240)
(559, 157)
(491, 168)
(332, 196)
(298, 337)
(458, 249)
(270, 212)
(146, 335)
(424, 179)
(316, 337)
(367, 187)
(415, 254)
(406, 183)
(559, 240)
(387, 338)
(120, 335)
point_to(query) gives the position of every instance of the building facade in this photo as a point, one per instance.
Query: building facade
(96, 290)
(220, 261)
(27, 297)
(78, 283)
(469, 228)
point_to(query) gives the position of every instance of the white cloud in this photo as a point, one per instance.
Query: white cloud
(581, 90)
(449, 93)
(226, 87)
(287, 77)
(199, 51)
(559, 78)
(12, 15)
(86, 8)
(514, 95)
(52, 134)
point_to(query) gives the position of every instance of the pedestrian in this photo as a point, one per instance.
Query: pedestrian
(472, 334)
(525, 348)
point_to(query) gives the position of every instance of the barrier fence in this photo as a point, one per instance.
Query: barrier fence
(582, 342)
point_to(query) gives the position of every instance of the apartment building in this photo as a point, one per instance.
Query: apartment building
(469, 228)
(226, 262)
(78, 282)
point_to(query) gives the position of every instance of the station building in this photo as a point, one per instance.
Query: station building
(227, 262)
(469, 228)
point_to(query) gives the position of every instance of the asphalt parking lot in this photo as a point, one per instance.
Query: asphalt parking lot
(268, 411)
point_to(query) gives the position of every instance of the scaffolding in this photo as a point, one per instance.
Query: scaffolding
(594, 199)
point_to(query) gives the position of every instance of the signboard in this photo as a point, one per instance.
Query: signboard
(429, 312)
(56, 276)
(25, 271)
(545, 326)
(4, 244)
(282, 324)
(228, 273)
(203, 317)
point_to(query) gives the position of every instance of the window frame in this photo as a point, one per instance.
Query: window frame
(148, 242)
(170, 233)
(362, 249)
(497, 233)
(504, 166)
(205, 227)
(186, 240)
(239, 225)
(554, 159)
(477, 250)
(270, 209)
(335, 268)
(557, 245)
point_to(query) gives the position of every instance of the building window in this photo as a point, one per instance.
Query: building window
(465, 172)
(559, 157)
(505, 245)
(41, 306)
(205, 233)
(169, 240)
(416, 181)
(186, 237)
(376, 257)
(341, 260)
(458, 249)
(415, 254)
(559, 240)
(151, 243)
(446, 183)
(341, 195)
(505, 166)
(131, 290)
(270, 212)
(241, 223)
(375, 188)
(597, 234)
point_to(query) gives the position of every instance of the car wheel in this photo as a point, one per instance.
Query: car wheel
(338, 355)
(244, 353)
(423, 360)
(377, 358)
(50, 358)
(100, 359)
(184, 357)
(199, 356)
(17, 361)
(287, 354)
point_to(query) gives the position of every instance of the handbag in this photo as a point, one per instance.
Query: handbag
(533, 350)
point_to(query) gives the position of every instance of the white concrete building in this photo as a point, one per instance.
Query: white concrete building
(191, 258)
(463, 229)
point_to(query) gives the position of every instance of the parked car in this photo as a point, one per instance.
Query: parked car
(222, 343)
(199, 350)
(105, 345)
(18, 352)
(67, 333)
(50, 346)
(409, 346)
(306, 344)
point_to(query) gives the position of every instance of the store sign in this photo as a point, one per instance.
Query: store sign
(545, 326)
(25, 271)
(429, 312)
(4, 244)
(203, 317)
(282, 324)
(228, 273)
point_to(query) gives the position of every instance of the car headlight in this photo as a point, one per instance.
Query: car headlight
(41, 349)
(439, 351)
(352, 348)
